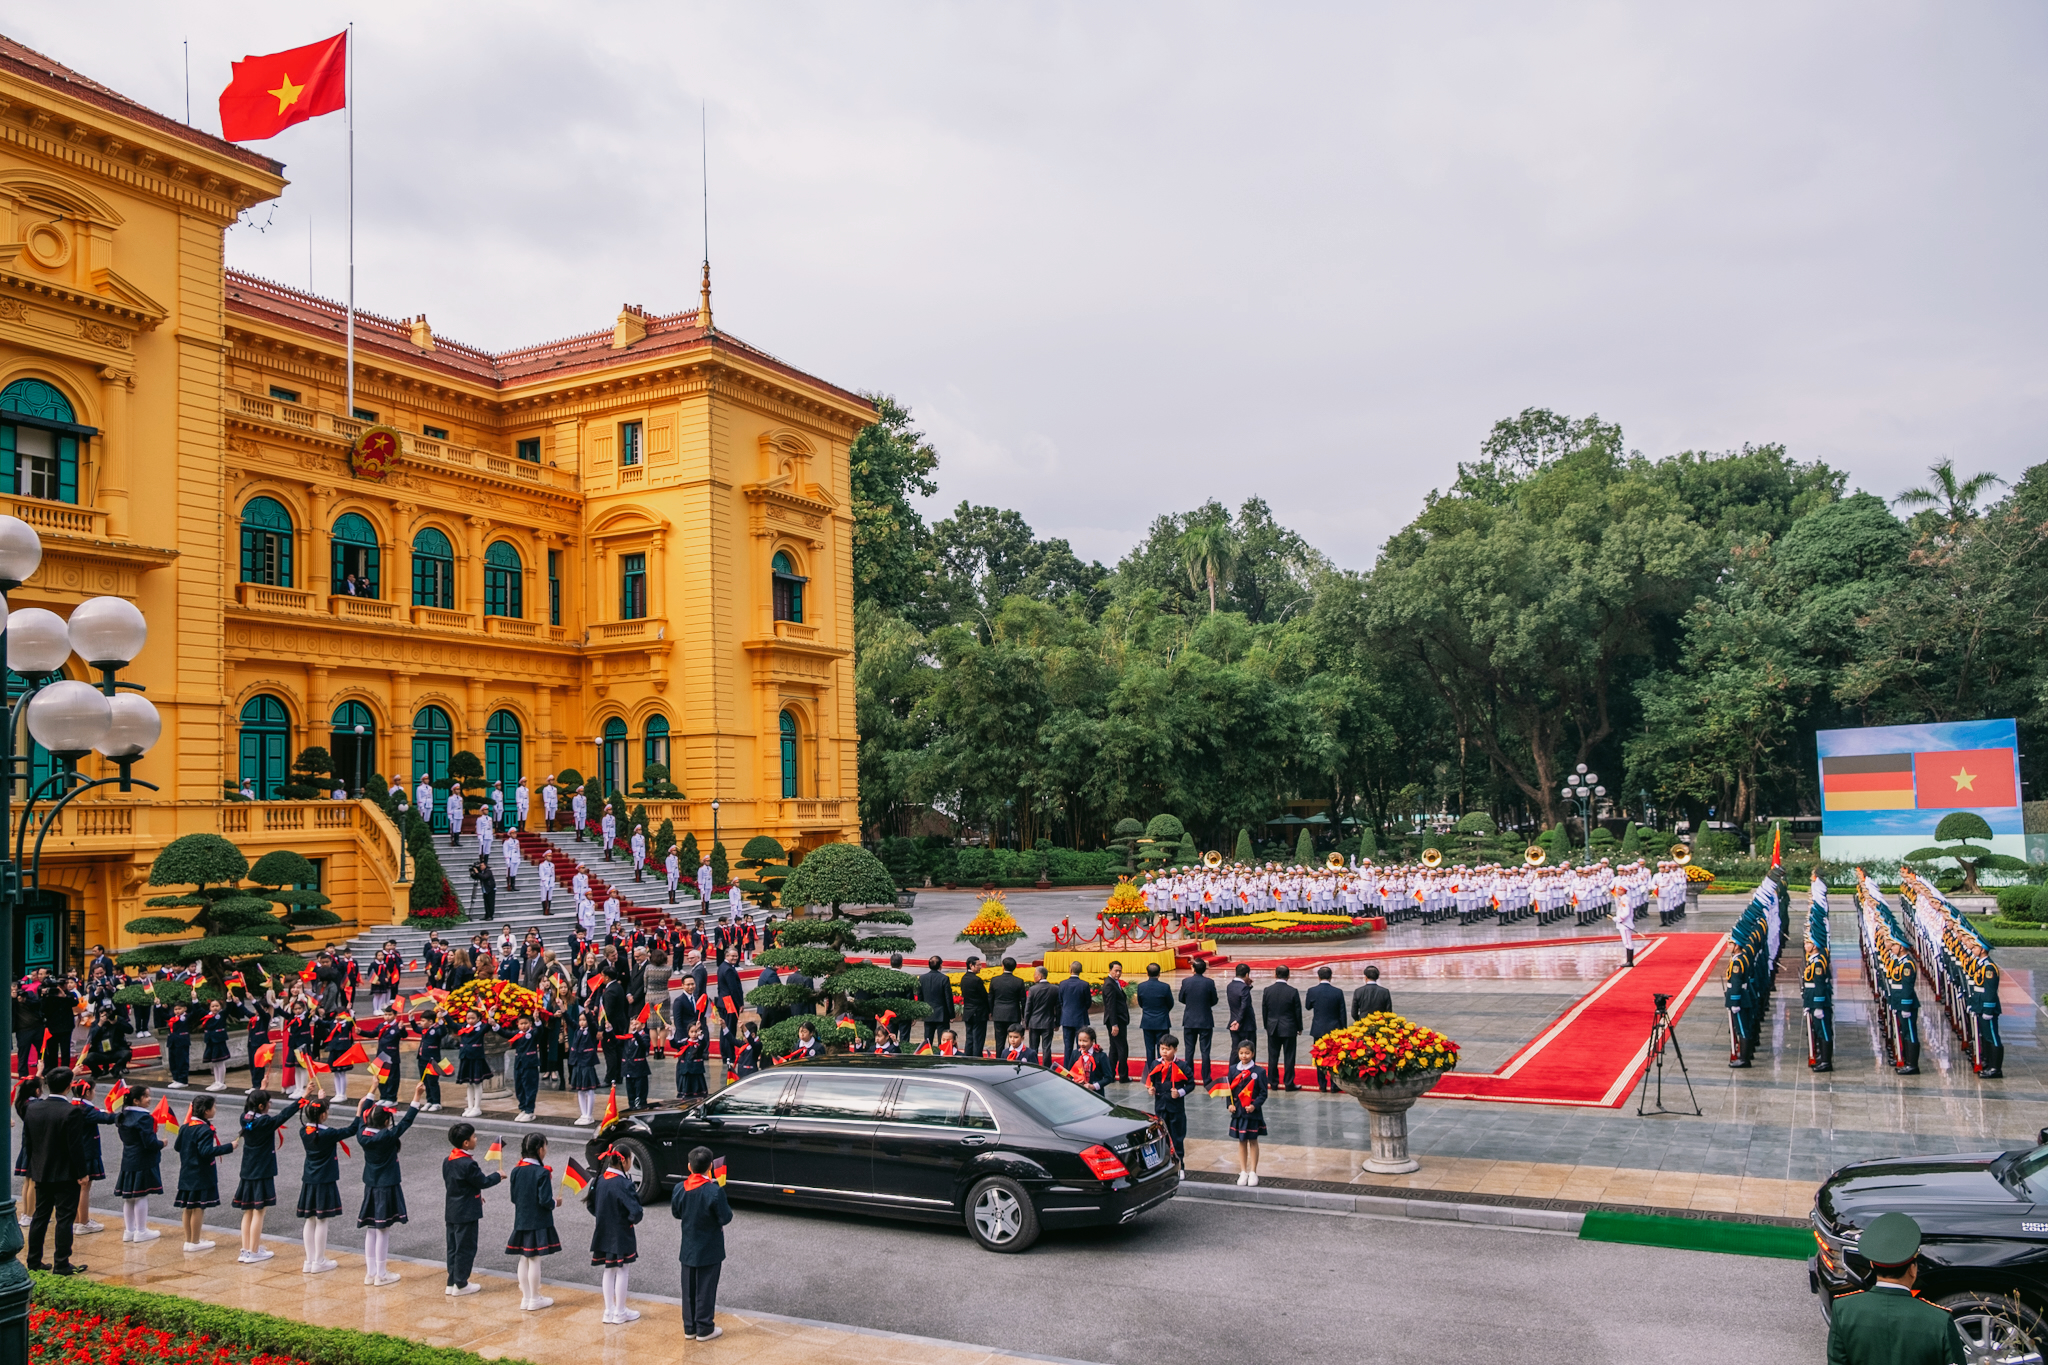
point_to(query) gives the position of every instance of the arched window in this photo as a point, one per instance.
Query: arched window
(657, 742)
(433, 570)
(503, 581)
(266, 742)
(354, 745)
(266, 543)
(614, 747)
(789, 589)
(38, 442)
(432, 746)
(355, 556)
(789, 782)
(501, 751)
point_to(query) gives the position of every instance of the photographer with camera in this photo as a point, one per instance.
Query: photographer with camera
(486, 881)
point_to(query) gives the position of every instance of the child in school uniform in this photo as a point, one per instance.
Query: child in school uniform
(141, 1165)
(463, 1207)
(1169, 1082)
(1247, 1111)
(178, 1046)
(701, 1214)
(337, 1036)
(1015, 1051)
(256, 1019)
(433, 1034)
(615, 1205)
(586, 1033)
(472, 1067)
(806, 1045)
(522, 1053)
(298, 1040)
(320, 1180)
(383, 1186)
(533, 1218)
(94, 1157)
(634, 1067)
(1092, 1065)
(690, 1065)
(214, 1028)
(198, 1148)
(747, 1057)
(390, 1037)
(256, 1190)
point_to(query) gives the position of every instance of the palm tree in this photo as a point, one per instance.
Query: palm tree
(1957, 500)
(1209, 550)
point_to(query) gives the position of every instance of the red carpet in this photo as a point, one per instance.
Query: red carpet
(1595, 1051)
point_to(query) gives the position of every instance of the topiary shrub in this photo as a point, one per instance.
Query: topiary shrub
(761, 859)
(817, 948)
(721, 871)
(1243, 852)
(839, 875)
(1304, 850)
(690, 856)
(235, 926)
(466, 768)
(567, 781)
(285, 878)
(1186, 855)
(2025, 903)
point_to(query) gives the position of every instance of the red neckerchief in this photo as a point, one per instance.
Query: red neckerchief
(1176, 1075)
(690, 1181)
(456, 1154)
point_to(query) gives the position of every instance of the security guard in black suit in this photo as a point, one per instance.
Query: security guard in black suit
(1116, 1023)
(1372, 997)
(1242, 1016)
(974, 1007)
(1280, 1007)
(1198, 1018)
(1325, 1006)
(1155, 1013)
(1888, 1324)
(1006, 999)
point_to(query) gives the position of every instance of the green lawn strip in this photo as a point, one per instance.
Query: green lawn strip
(1698, 1234)
(2000, 932)
(233, 1326)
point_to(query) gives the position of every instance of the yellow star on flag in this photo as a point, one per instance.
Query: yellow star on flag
(1965, 780)
(287, 94)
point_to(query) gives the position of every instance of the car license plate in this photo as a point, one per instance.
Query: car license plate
(1152, 1157)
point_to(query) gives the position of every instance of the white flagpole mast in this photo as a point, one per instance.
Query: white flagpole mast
(349, 57)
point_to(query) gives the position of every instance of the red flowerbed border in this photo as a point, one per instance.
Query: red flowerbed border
(69, 1337)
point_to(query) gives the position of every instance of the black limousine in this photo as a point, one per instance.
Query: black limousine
(1006, 1149)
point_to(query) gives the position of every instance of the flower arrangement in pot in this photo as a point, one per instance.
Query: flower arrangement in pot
(1386, 1063)
(993, 928)
(501, 1001)
(1125, 903)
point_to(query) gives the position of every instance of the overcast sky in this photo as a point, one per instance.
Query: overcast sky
(1120, 259)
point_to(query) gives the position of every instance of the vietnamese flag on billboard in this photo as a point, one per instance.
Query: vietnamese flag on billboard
(1966, 779)
(269, 94)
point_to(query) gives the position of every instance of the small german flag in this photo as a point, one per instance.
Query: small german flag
(574, 1178)
(718, 1169)
(924, 1050)
(445, 1068)
(1220, 1090)
(379, 1072)
(496, 1152)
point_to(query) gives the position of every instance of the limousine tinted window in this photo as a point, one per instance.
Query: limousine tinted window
(747, 1098)
(840, 1097)
(1055, 1099)
(977, 1115)
(928, 1102)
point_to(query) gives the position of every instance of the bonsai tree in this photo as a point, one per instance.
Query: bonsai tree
(1125, 837)
(235, 925)
(567, 781)
(286, 879)
(721, 870)
(466, 768)
(761, 859)
(817, 948)
(655, 786)
(1963, 826)
(1163, 834)
(840, 875)
(1476, 827)
(309, 776)
(1243, 852)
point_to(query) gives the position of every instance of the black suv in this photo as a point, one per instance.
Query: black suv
(1984, 1251)
(1009, 1149)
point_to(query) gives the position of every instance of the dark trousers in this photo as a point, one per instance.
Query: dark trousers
(1177, 1132)
(1069, 1034)
(526, 1082)
(1152, 1037)
(178, 1056)
(433, 1080)
(933, 1028)
(977, 1036)
(1120, 1053)
(58, 1199)
(1041, 1043)
(614, 1049)
(700, 1298)
(636, 1092)
(1280, 1062)
(490, 903)
(461, 1252)
(1197, 1040)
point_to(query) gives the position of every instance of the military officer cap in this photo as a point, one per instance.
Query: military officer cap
(1892, 1240)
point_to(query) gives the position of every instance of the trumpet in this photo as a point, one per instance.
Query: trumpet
(1335, 860)
(1534, 856)
(1212, 859)
(1432, 857)
(1681, 854)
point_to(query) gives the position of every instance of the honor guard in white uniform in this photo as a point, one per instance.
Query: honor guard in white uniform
(454, 812)
(638, 843)
(512, 861)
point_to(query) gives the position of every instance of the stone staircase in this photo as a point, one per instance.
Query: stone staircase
(520, 909)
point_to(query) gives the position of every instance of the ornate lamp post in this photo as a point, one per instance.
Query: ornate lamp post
(714, 821)
(1580, 789)
(70, 719)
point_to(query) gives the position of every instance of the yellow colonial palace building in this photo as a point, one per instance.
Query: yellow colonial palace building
(628, 547)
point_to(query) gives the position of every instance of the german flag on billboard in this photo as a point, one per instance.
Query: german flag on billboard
(1866, 782)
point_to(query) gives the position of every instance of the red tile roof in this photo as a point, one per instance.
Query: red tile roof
(32, 65)
(377, 335)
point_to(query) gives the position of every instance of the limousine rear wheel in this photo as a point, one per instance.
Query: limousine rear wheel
(1000, 1216)
(640, 1167)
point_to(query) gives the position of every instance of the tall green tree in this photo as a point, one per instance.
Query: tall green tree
(890, 463)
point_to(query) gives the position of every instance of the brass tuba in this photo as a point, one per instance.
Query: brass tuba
(1681, 854)
(1534, 856)
(1335, 860)
(1212, 859)
(1432, 857)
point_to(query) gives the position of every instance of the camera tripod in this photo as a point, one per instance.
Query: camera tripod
(1662, 1037)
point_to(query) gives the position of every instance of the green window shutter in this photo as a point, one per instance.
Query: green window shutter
(7, 458)
(284, 561)
(67, 469)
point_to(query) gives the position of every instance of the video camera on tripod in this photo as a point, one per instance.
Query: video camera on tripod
(1661, 1037)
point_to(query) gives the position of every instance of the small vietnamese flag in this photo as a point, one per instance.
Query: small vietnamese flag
(263, 1056)
(574, 1177)
(119, 1091)
(355, 1056)
(640, 1019)
(270, 93)
(166, 1121)
(611, 1110)
(496, 1152)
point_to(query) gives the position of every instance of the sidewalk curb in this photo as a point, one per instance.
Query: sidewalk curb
(1384, 1206)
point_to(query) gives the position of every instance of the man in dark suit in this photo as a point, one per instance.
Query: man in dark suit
(1155, 1013)
(1006, 1000)
(1074, 1011)
(1116, 1021)
(53, 1133)
(935, 988)
(732, 997)
(1198, 1018)
(1371, 998)
(462, 1206)
(1281, 1009)
(974, 1007)
(1041, 1014)
(773, 1014)
(618, 1022)
(1241, 1015)
(1325, 1005)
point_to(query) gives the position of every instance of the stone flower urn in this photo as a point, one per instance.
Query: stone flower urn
(993, 946)
(1388, 1106)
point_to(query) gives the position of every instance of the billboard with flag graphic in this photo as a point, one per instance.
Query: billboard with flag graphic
(1884, 789)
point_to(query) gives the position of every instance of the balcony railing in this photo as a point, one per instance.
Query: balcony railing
(263, 597)
(63, 518)
(362, 608)
(440, 619)
(301, 418)
(510, 625)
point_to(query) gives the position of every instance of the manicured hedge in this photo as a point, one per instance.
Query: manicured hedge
(257, 1331)
(2028, 903)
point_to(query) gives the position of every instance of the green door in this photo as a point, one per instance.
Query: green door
(432, 746)
(266, 739)
(501, 752)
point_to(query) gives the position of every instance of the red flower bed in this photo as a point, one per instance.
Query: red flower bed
(63, 1337)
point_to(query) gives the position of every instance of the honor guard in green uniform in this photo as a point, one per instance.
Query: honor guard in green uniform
(1888, 1324)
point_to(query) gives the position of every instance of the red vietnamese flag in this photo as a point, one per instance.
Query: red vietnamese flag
(355, 1056)
(270, 93)
(1965, 779)
(611, 1111)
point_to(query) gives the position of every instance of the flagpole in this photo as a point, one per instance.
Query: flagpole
(349, 57)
